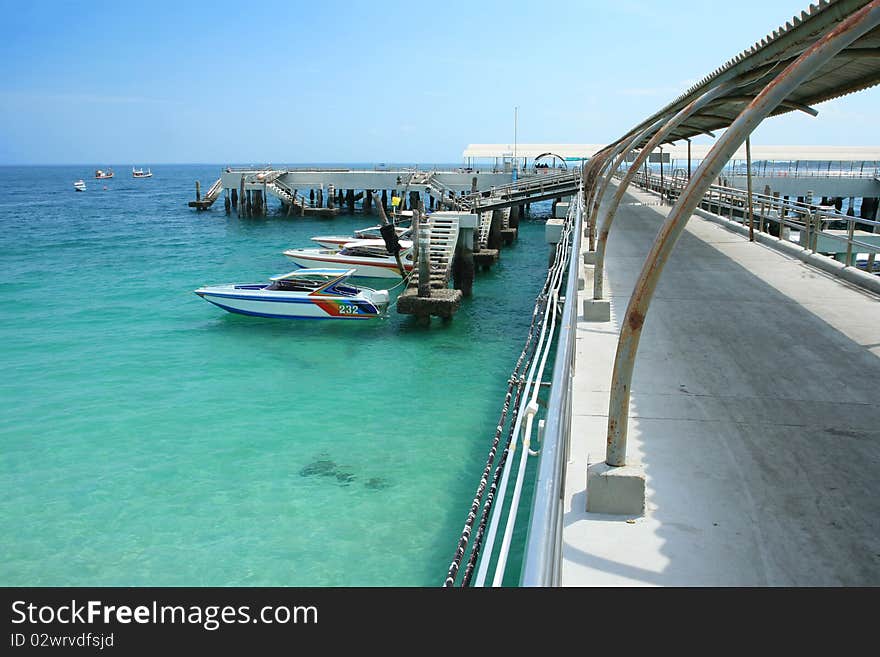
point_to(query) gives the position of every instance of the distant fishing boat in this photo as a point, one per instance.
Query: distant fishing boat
(302, 294)
(139, 173)
(100, 173)
(79, 185)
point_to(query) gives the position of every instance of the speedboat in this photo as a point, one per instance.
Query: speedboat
(139, 173)
(79, 185)
(301, 294)
(369, 258)
(100, 173)
(338, 241)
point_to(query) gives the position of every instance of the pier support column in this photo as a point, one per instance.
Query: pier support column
(368, 202)
(385, 199)
(349, 200)
(226, 203)
(494, 241)
(242, 197)
(463, 267)
(319, 200)
(331, 197)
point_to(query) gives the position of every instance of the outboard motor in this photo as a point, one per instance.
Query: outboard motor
(392, 244)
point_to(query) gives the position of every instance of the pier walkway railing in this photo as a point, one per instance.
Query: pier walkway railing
(543, 550)
(819, 228)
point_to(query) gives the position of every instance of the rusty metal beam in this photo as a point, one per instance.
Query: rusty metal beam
(820, 52)
(659, 136)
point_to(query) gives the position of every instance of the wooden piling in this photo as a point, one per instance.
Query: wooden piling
(198, 192)
(349, 200)
(368, 202)
(424, 263)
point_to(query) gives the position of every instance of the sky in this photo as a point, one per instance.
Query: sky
(368, 81)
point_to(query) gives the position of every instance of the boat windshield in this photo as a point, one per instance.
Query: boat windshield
(295, 285)
(364, 251)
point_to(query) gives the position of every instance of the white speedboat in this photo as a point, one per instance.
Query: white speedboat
(79, 185)
(338, 241)
(368, 258)
(301, 294)
(140, 173)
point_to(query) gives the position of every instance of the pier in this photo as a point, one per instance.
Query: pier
(711, 419)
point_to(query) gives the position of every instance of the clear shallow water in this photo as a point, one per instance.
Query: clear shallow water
(149, 438)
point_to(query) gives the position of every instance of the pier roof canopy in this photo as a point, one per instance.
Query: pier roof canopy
(855, 68)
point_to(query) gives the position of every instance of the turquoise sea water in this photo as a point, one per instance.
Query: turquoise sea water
(149, 438)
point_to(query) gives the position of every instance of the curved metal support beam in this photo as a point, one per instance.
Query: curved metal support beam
(608, 217)
(619, 155)
(591, 181)
(822, 51)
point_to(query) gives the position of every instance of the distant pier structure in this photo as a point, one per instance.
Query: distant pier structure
(462, 217)
(326, 192)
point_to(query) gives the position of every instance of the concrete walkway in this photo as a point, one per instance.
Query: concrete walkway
(755, 412)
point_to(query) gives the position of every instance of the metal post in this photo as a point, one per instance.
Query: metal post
(662, 193)
(749, 188)
(689, 159)
(765, 102)
(849, 242)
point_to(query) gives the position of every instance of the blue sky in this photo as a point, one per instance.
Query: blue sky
(330, 81)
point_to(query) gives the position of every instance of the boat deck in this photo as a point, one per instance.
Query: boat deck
(755, 412)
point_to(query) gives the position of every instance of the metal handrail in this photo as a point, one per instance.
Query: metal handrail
(777, 210)
(543, 550)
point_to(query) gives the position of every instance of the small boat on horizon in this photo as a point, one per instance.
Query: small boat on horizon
(140, 173)
(301, 294)
(369, 258)
(79, 185)
(100, 173)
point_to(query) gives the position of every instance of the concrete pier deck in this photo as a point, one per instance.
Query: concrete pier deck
(755, 413)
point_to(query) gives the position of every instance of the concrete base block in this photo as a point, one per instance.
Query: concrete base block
(589, 257)
(485, 258)
(442, 303)
(597, 310)
(617, 491)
